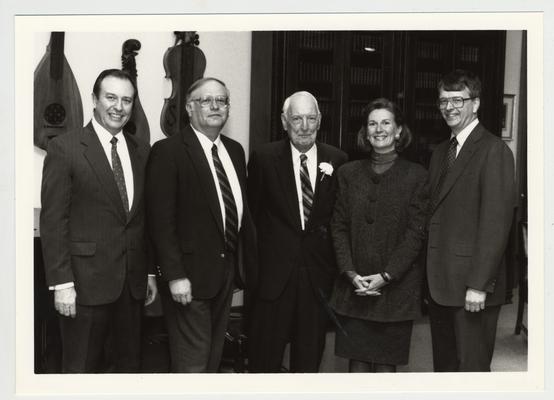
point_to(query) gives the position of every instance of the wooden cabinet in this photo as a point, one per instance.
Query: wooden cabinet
(345, 70)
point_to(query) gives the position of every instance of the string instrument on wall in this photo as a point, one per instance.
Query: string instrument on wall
(184, 63)
(57, 100)
(137, 124)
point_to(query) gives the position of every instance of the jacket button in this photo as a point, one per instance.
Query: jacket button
(222, 255)
(376, 179)
(370, 220)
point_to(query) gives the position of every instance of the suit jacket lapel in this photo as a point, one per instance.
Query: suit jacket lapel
(96, 157)
(137, 163)
(196, 153)
(285, 172)
(468, 149)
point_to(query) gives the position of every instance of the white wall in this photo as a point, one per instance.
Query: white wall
(512, 75)
(228, 56)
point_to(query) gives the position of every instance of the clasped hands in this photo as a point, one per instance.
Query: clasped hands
(368, 285)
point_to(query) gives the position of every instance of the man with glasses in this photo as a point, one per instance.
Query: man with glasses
(198, 220)
(472, 199)
(291, 192)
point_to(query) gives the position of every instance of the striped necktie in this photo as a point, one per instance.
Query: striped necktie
(307, 192)
(231, 216)
(119, 176)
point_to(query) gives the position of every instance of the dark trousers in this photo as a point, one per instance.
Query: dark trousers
(462, 341)
(298, 317)
(104, 338)
(197, 331)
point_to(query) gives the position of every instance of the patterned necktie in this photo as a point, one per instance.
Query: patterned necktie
(119, 176)
(446, 166)
(307, 192)
(231, 216)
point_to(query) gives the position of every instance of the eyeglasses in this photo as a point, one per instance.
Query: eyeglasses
(205, 102)
(457, 102)
(298, 119)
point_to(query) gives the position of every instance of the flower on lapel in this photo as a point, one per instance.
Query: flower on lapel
(326, 169)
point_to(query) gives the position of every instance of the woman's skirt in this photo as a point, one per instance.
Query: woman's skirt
(378, 342)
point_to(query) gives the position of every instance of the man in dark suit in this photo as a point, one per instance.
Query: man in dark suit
(473, 196)
(291, 192)
(199, 220)
(92, 233)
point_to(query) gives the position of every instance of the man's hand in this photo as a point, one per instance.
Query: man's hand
(64, 302)
(151, 291)
(475, 300)
(181, 291)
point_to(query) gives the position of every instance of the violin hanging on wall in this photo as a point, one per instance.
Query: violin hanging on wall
(57, 100)
(184, 63)
(138, 124)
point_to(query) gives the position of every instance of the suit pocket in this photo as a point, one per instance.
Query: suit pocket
(83, 248)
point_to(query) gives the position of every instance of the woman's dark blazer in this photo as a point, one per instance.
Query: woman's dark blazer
(378, 225)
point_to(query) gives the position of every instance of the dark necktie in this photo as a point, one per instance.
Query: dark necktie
(446, 166)
(119, 176)
(231, 217)
(307, 192)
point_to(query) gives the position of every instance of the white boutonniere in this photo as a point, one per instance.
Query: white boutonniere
(326, 169)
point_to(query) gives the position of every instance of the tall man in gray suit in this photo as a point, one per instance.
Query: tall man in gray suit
(92, 232)
(473, 197)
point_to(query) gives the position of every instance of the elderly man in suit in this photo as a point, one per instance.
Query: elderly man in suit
(473, 196)
(199, 220)
(291, 191)
(92, 233)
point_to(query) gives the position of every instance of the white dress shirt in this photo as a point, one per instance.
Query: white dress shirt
(229, 168)
(311, 162)
(463, 135)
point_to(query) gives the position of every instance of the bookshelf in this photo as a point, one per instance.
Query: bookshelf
(347, 69)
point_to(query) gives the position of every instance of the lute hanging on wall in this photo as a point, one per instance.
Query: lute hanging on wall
(57, 101)
(184, 63)
(138, 124)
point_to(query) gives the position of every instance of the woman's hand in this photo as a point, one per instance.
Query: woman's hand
(363, 287)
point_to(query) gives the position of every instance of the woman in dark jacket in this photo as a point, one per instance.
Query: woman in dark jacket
(378, 228)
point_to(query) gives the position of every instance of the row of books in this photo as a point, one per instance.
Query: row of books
(316, 40)
(310, 72)
(429, 50)
(366, 76)
(427, 80)
(469, 54)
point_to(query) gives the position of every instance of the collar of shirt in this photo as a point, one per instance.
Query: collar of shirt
(206, 143)
(106, 136)
(464, 134)
(311, 161)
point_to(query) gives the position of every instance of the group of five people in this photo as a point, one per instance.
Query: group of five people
(312, 238)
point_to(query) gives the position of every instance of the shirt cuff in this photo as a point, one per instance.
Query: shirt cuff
(61, 286)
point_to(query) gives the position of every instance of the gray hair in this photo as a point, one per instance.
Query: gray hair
(286, 104)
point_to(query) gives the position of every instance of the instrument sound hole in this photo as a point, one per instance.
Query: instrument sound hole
(54, 114)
